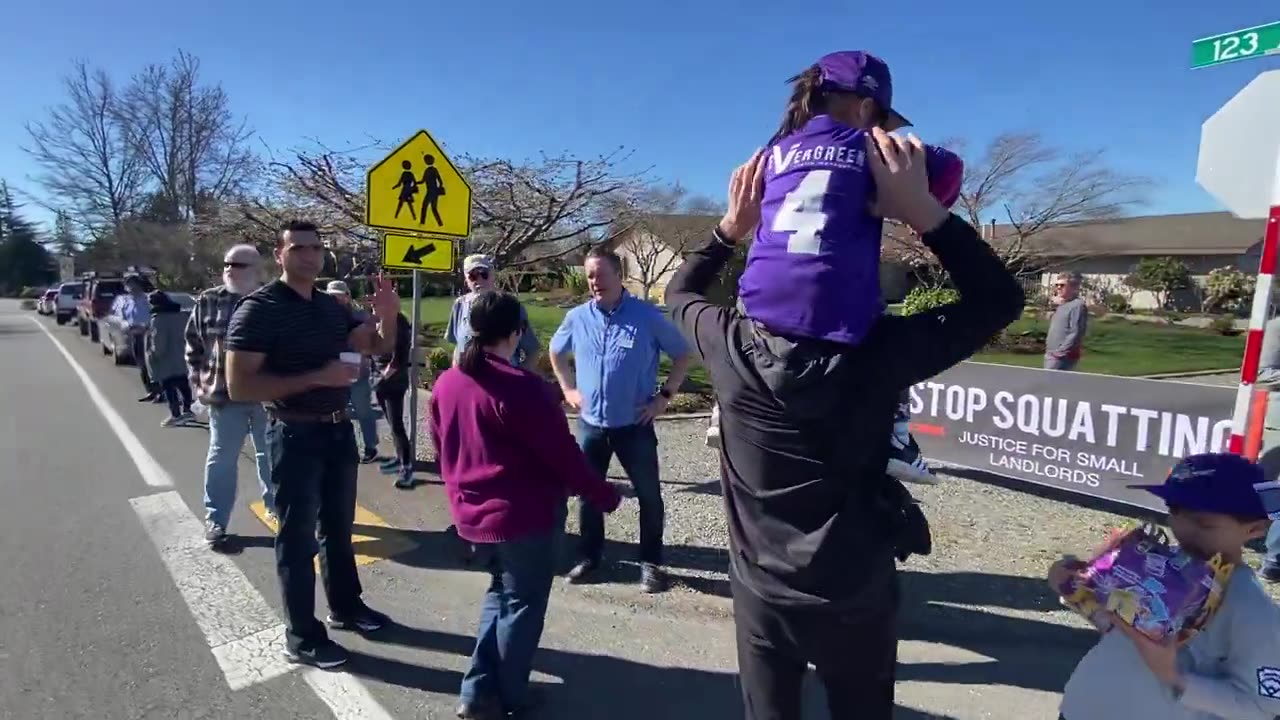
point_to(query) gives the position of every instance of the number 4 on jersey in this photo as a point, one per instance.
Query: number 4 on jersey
(801, 213)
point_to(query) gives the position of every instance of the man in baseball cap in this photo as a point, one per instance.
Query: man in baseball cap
(478, 270)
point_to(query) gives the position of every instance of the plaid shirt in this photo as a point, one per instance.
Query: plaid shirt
(206, 331)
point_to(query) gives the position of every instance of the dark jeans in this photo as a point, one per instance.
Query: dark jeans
(313, 468)
(391, 400)
(855, 657)
(177, 391)
(637, 449)
(138, 346)
(511, 617)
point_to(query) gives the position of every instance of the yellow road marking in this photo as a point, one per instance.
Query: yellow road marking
(373, 539)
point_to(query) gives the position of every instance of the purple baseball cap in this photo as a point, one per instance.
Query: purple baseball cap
(865, 75)
(1221, 483)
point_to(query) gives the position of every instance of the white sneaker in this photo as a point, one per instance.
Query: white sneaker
(171, 422)
(907, 464)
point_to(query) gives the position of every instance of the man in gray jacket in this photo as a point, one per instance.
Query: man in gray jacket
(1068, 325)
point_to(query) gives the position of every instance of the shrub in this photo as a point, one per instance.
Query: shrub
(1228, 290)
(689, 403)
(1224, 325)
(438, 360)
(1160, 276)
(923, 298)
(28, 304)
(30, 293)
(575, 281)
(1116, 303)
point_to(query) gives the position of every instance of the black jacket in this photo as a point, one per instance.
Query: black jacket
(804, 428)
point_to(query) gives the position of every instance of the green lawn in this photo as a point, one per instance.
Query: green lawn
(1113, 346)
(1116, 346)
(545, 317)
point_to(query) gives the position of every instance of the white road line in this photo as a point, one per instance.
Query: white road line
(244, 633)
(246, 637)
(346, 697)
(152, 473)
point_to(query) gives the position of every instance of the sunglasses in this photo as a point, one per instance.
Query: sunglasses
(237, 265)
(478, 274)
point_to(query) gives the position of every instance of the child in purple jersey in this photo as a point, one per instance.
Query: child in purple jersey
(813, 272)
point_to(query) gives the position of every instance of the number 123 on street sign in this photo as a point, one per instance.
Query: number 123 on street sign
(1239, 45)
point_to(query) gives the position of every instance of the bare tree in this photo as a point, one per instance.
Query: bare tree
(522, 212)
(1033, 188)
(658, 225)
(89, 168)
(529, 212)
(188, 141)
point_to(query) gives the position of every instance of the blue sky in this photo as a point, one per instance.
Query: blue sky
(692, 90)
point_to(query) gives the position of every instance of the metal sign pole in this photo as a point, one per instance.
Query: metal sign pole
(414, 372)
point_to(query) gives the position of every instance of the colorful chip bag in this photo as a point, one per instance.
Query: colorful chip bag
(1151, 585)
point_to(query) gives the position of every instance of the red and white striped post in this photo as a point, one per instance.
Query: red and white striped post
(1243, 422)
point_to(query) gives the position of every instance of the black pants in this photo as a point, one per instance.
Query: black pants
(391, 400)
(313, 466)
(855, 657)
(177, 391)
(138, 343)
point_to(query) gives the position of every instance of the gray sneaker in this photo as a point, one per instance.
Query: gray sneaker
(214, 534)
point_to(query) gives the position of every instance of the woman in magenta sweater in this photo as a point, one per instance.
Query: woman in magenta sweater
(509, 463)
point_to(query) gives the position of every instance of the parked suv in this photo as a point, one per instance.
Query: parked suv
(69, 294)
(99, 294)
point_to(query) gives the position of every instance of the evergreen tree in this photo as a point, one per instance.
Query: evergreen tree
(24, 262)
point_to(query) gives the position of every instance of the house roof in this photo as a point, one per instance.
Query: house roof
(674, 230)
(1209, 233)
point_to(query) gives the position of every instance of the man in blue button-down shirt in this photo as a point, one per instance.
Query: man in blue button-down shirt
(615, 340)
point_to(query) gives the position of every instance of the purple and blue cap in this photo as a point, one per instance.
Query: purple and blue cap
(865, 75)
(1219, 483)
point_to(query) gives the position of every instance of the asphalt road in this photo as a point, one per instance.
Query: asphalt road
(111, 608)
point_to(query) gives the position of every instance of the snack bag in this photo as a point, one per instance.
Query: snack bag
(1156, 588)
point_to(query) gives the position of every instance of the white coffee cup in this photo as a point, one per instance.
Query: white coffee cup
(354, 359)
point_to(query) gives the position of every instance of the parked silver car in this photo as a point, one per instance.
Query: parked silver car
(115, 333)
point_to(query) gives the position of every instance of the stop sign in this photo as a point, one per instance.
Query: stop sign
(1240, 149)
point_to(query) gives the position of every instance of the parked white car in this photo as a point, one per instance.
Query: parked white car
(64, 307)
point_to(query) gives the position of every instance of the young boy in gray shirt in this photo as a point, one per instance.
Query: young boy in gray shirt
(1231, 668)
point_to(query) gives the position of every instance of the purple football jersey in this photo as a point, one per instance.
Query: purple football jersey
(814, 268)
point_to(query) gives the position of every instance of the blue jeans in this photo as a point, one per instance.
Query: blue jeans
(229, 423)
(1273, 544)
(362, 409)
(314, 468)
(512, 614)
(637, 449)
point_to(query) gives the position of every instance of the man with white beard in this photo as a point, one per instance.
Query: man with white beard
(229, 421)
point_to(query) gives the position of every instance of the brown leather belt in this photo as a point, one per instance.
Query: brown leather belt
(291, 416)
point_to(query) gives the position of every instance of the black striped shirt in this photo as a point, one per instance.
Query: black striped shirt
(297, 336)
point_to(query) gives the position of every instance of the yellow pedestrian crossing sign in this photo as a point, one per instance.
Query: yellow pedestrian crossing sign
(417, 189)
(409, 252)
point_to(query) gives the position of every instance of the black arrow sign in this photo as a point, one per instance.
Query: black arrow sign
(415, 254)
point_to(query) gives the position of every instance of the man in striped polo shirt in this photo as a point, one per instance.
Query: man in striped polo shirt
(229, 422)
(297, 349)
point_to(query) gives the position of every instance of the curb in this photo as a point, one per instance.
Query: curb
(1194, 373)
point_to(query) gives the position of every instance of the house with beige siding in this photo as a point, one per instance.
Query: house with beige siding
(1104, 252)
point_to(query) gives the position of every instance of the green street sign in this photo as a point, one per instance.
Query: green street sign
(1239, 45)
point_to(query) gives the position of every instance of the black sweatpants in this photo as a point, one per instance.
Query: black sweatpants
(177, 392)
(391, 400)
(855, 655)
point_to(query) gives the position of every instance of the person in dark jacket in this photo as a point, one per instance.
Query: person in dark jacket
(815, 522)
(390, 385)
(166, 357)
(509, 463)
